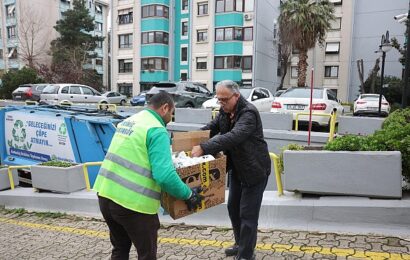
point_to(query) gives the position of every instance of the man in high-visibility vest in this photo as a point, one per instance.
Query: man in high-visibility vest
(137, 166)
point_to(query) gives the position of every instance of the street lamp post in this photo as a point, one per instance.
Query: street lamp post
(384, 47)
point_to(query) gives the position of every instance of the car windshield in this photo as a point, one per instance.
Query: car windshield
(245, 92)
(370, 97)
(165, 85)
(50, 89)
(302, 93)
(22, 88)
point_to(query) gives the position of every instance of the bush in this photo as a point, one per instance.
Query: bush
(394, 136)
(58, 164)
(14, 78)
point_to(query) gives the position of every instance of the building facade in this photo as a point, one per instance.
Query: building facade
(198, 40)
(355, 34)
(27, 30)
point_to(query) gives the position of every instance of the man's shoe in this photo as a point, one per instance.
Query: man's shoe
(252, 258)
(231, 251)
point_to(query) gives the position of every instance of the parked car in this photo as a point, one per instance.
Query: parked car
(296, 100)
(368, 104)
(279, 92)
(262, 98)
(28, 92)
(74, 93)
(138, 100)
(185, 94)
(115, 98)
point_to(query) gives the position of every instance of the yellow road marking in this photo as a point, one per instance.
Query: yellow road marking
(342, 252)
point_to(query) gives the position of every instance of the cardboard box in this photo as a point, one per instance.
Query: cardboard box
(210, 175)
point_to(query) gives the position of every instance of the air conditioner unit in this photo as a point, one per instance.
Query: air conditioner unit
(248, 17)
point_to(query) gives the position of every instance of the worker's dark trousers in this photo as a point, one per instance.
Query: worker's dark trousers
(244, 203)
(128, 227)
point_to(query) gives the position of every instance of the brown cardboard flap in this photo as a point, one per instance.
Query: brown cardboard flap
(184, 141)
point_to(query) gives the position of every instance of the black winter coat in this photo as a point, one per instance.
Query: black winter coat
(242, 141)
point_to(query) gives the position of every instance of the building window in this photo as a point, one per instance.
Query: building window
(248, 33)
(184, 76)
(247, 63)
(1, 53)
(125, 89)
(98, 62)
(184, 54)
(125, 66)
(10, 11)
(203, 8)
(234, 5)
(202, 35)
(228, 62)
(125, 40)
(332, 47)
(294, 72)
(184, 28)
(99, 44)
(184, 5)
(155, 11)
(12, 53)
(11, 32)
(154, 37)
(336, 24)
(98, 26)
(336, 2)
(125, 16)
(331, 71)
(154, 64)
(98, 9)
(201, 63)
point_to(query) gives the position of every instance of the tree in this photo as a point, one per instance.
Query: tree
(360, 70)
(392, 93)
(285, 49)
(306, 22)
(14, 78)
(75, 46)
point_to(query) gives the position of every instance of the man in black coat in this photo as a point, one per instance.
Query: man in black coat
(238, 132)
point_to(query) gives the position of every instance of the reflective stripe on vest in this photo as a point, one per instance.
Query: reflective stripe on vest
(127, 164)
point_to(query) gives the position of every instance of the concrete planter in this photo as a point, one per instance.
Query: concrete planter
(371, 174)
(353, 125)
(58, 179)
(4, 179)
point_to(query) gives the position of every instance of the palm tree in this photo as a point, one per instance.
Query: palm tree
(306, 22)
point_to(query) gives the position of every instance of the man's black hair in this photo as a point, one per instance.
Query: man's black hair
(159, 99)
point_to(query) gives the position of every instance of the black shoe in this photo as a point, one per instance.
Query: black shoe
(241, 258)
(231, 251)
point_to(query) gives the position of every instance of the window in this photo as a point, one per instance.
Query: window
(154, 37)
(12, 53)
(247, 63)
(202, 35)
(234, 5)
(248, 33)
(125, 40)
(98, 9)
(99, 44)
(219, 34)
(201, 63)
(332, 47)
(125, 89)
(331, 71)
(155, 11)
(98, 26)
(331, 95)
(124, 66)
(11, 32)
(10, 11)
(203, 8)
(336, 2)
(293, 72)
(75, 90)
(220, 6)
(184, 54)
(154, 64)
(249, 5)
(64, 90)
(229, 5)
(184, 29)
(228, 62)
(125, 16)
(87, 91)
(336, 24)
(228, 34)
(98, 62)
(184, 5)
(184, 76)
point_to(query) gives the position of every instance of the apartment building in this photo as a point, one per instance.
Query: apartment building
(355, 34)
(198, 40)
(26, 21)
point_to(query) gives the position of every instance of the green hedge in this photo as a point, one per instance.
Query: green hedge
(394, 136)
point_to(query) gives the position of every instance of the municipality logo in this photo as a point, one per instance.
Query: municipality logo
(62, 129)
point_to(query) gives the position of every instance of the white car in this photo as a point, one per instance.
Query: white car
(73, 93)
(297, 100)
(115, 98)
(368, 104)
(261, 98)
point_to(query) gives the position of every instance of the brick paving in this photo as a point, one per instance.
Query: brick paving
(26, 235)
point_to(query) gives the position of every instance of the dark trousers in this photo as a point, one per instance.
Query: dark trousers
(244, 203)
(128, 227)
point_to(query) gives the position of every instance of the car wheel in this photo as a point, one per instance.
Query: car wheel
(189, 105)
(122, 102)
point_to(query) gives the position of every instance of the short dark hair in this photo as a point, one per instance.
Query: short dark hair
(161, 98)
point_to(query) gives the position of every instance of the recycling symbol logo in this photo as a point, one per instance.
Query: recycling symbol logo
(62, 129)
(18, 132)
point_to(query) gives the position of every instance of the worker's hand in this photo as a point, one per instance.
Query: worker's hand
(195, 200)
(197, 151)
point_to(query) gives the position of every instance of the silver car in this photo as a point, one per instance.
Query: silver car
(74, 93)
(115, 98)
